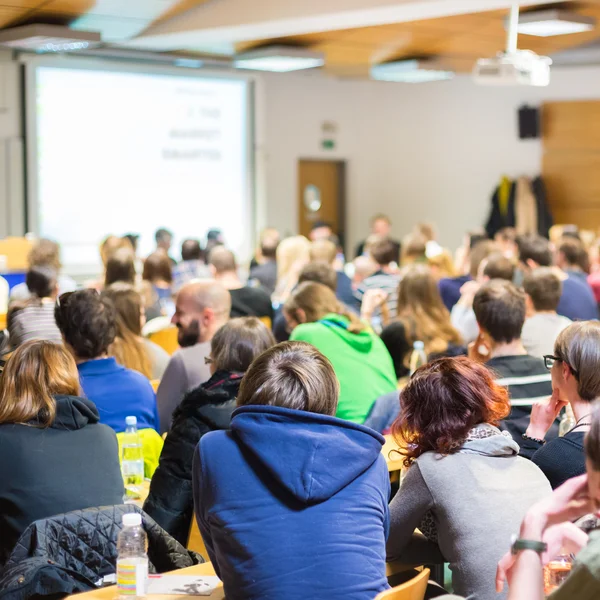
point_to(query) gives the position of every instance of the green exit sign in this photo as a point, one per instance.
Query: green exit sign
(328, 144)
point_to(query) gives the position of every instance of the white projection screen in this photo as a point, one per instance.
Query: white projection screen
(115, 151)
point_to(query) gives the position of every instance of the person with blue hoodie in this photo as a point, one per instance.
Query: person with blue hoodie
(292, 502)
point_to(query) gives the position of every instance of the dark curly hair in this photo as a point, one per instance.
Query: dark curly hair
(87, 322)
(442, 402)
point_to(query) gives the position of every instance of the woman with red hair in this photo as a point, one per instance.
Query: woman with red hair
(466, 487)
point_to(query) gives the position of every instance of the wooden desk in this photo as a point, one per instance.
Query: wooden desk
(110, 593)
(393, 459)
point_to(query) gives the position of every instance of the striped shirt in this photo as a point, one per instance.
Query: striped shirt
(528, 381)
(382, 281)
(33, 322)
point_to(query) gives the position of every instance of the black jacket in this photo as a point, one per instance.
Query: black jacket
(497, 219)
(71, 552)
(71, 465)
(206, 408)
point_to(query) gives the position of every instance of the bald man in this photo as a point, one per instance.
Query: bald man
(201, 309)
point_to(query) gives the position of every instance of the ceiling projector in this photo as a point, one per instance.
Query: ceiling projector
(520, 67)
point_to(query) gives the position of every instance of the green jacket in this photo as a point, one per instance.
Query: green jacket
(361, 362)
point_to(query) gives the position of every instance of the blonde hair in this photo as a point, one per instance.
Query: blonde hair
(422, 312)
(292, 254)
(128, 348)
(35, 373)
(443, 263)
(110, 245)
(324, 251)
(317, 300)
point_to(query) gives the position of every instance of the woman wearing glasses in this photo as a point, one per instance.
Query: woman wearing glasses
(576, 382)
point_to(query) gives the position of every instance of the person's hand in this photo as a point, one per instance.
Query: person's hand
(371, 301)
(543, 415)
(479, 350)
(467, 293)
(565, 536)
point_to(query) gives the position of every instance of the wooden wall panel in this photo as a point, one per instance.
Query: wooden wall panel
(571, 161)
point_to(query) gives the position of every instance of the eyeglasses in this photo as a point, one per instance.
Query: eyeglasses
(549, 361)
(208, 360)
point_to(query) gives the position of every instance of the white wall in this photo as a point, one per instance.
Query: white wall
(430, 152)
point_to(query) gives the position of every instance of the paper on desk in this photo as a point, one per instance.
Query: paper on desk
(185, 585)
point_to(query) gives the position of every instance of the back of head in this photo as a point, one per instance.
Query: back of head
(442, 402)
(319, 272)
(314, 299)
(35, 373)
(120, 266)
(133, 239)
(534, 248)
(191, 250)
(579, 346)
(544, 287)
(157, 267)
(45, 253)
(364, 266)
(479, 253)
(383, 252)
(499, 308)
(41, 281)
(572, 254)
(291, 251)
(426, 230)
(292, 375)
(222, 260)
(163, 236)
(418, 292)
(414, 248)
(269, 240)
(207, 293)
(128, 305)
(323, 250)
(110, 245)
(87, 322)
(497, 266)
(238, 343)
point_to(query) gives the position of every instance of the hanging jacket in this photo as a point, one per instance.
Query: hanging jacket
(45, 471)
(544, 216)
(361, 362)
(71, 552)
(526, 218)
(206, 408)
(293, 504)
(501, 216)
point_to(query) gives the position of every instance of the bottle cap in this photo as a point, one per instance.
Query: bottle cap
(132, 519)
(418, 345)
(130, 420)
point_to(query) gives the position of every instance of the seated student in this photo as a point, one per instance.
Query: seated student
(158, 272)
(202, 308)
(192, 265)
(423, 317)
(575, 381)
(467, 263)
(56, 456)
(381, 226)
(361, 362)
(386, 278)
(33, 319)
(246, 301)
(577, 301)
(466, 488)
(87, 323)
(206, 408)
(109, 246)
(496, 266)
(543, 289)
(120, 267)
(326, 251)
(500, 311)
(292, 254)
(572, 258)
(264, 267)
(292, 502)
(129, 348)
(164, 241)
(45, 253)
(550, 522)
(414, 249)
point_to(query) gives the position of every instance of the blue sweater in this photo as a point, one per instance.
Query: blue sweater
(577, 302)
(118, 393)
(293, 505)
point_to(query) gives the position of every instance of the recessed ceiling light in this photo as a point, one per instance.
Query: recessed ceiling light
(279, 59)
(546, 23)
(48, 38)
(411, 71)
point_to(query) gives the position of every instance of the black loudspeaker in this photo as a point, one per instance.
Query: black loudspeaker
(529, 123)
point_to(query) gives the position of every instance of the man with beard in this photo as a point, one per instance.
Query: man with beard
(201, 309)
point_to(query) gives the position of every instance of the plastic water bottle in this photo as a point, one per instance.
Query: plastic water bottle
(132, 558)
(418, 358)
(132, 459)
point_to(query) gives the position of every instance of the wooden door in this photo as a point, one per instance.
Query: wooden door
(321, 195)
(571, 162)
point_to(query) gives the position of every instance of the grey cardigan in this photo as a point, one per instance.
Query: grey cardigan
(474, 500)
